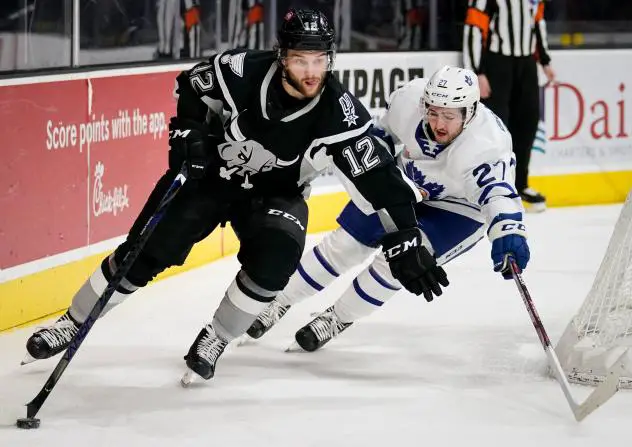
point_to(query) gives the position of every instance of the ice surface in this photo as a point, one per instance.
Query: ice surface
(464, 370)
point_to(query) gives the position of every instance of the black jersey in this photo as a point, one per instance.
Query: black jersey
(273, 144)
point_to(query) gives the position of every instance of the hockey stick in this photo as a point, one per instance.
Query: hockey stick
(602, 393)
(33, 407)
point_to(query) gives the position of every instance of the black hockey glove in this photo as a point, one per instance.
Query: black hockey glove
(412, 264)
(188, 140)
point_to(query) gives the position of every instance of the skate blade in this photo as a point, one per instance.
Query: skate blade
(27, 359)
(534, 207)
(243, 340)
(294, 347)
(187, 378)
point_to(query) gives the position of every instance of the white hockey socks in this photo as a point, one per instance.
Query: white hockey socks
(368, 292)
(336, 254)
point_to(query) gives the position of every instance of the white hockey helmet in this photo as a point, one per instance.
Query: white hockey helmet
(453, 87)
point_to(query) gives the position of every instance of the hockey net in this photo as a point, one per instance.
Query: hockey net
(602, 329)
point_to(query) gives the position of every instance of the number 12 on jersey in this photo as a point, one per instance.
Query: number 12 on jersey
(368, 160)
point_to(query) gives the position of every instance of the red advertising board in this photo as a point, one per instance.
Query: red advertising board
(124, 169)
(78, 160)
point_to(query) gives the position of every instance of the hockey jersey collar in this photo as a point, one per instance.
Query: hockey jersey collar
(428, 146)
(263, 93)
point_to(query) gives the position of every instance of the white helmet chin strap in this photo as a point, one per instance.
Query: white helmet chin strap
(472, 113)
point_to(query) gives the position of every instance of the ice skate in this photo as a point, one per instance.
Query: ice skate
(202, 356)
(532, 200)
(49, 341)
(319, 331)
(266, 319)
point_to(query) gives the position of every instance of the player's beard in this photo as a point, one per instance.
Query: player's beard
(443, 137)
(297, 84)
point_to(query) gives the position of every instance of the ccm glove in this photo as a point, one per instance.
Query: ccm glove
(188, 140)
(508, 236)
(412, 265)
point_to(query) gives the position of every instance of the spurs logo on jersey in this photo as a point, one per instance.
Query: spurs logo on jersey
(348, 109)
(247, 158)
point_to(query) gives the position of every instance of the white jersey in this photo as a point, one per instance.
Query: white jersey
(473, 175)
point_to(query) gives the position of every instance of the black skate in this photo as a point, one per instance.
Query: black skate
(203, 355)
(320, 330)
(49, 341)
(532, 200)
(266, 319)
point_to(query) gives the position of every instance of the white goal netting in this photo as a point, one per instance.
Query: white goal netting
(602, 329)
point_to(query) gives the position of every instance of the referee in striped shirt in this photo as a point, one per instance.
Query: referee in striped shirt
(503, 41)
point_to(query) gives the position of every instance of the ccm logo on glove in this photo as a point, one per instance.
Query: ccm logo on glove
(513, 227)
(177, 133)
(412, 265)
(188, 141)
(508, 236)
(401, 248)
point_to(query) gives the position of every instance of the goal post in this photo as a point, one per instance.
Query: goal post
(601, 331)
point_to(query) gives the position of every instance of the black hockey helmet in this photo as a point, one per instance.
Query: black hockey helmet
(306, 29)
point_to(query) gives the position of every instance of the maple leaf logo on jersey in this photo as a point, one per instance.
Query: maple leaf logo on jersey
(348, 109)
(428, 190)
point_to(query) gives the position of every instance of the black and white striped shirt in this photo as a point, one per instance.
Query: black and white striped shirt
(508, 27)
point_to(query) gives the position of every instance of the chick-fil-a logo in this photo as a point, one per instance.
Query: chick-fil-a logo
(111, 201)
(606, 119)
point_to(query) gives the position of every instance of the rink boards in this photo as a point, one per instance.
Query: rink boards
(83, 150)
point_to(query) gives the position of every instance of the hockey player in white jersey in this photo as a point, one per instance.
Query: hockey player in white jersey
(459, 154)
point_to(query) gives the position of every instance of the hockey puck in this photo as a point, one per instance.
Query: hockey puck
(28, 423)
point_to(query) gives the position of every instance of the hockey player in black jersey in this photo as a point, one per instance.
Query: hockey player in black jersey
(254, 128)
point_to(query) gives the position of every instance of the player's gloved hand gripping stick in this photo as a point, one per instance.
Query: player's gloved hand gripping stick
(189, 142)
